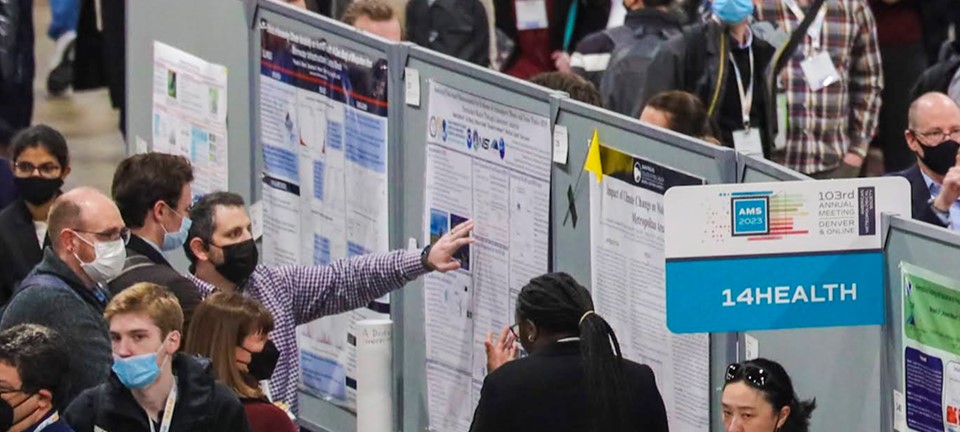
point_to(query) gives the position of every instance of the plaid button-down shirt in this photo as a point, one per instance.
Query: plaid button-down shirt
(296, 295)
(824, 125)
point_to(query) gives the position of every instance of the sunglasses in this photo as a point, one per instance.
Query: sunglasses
(752, 374)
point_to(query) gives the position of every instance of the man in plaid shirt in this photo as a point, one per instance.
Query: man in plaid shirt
(832, 86)
(224, 257)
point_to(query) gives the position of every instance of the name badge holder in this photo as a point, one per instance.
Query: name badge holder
(748, 139)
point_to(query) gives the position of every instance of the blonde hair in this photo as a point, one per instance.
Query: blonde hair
(219, 326)
(151, 299)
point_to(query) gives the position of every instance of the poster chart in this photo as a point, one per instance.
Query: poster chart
(323, 116)
(190, 114)
(931, 357)
(489, 163)
(627, 279)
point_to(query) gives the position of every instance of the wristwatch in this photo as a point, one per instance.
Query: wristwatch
(945, 215)
(424, 254)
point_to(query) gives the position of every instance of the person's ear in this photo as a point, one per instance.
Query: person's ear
(157, 210)
(784, 415)
(65, 172)
(912, 142)
(199, 249)
(531, 330)
(174, 342)
(46, 399)
(67, 240)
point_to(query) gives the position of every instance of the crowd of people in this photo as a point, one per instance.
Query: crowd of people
(98, 331)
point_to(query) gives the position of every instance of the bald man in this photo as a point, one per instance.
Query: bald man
(933, 135)
(67, 291)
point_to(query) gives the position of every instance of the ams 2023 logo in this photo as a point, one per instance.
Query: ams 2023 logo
(751, 215)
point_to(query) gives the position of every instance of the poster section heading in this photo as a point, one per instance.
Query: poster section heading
(488, 163)
(931, 342)
(627, 280)
(779, 255)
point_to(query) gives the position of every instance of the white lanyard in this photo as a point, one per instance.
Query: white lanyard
(816, 27)
(746, 97)
(49, 421)
(167, 410)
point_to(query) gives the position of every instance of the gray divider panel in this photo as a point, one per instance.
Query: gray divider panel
(840, 366)
(213, 30)
(408, 303)
(924, 245)
(571, 250)
(316, 414)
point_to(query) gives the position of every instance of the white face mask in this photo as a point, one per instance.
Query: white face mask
(109, 262)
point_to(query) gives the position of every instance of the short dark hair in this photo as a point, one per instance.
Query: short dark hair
(375, 10)
(42, 136)
(777, 390)
(202, 214)
(40, 355)
(142, 180)
(573, 84)
(687, 115)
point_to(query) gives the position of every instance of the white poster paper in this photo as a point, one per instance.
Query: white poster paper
(489, 163)
(324, 135)
(190, 114)
(629, 289)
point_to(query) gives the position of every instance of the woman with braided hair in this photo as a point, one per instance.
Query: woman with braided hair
(574, 379)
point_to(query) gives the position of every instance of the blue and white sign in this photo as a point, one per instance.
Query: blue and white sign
(777, 255)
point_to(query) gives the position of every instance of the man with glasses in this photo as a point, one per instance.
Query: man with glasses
(933, 135)
(32, 376)
(152, 191)
(67, 290)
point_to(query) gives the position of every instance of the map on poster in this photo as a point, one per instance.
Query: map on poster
(324, 130)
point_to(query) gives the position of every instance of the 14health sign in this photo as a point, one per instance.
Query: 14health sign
(768, 256)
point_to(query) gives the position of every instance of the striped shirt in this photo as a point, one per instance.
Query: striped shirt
(824, 125)
(296, 295)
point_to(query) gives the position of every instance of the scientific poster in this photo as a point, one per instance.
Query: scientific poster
(931, 358)
(490, 163)
(629, 290)
(190, 114)
(323, 115)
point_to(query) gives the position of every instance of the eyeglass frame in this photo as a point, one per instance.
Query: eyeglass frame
(759, 380)
(124, 234)
(927, 137)
(515, 330)
(20, 168)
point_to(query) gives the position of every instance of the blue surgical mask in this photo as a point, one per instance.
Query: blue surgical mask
(732, 11)
(139, 371)
(175, 240)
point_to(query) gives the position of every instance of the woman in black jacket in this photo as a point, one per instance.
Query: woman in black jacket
(40, 164)
(575, 378)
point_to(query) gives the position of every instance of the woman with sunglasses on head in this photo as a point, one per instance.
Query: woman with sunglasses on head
(231, 330)
(40, 162)
(758, 396)
(575, 378)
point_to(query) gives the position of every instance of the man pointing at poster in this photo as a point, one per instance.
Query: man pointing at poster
(224, 257)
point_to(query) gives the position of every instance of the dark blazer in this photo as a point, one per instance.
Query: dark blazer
(546, 392)
(19, 249)
(157, 270)
(919, 196)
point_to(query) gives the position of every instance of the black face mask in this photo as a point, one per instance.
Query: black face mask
(38, 190)
(942, 157)
(239, 261)
(264, 362)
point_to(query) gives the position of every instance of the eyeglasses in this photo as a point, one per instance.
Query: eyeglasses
(48, 169)
(515, 330)
(937, 136)
(110, 235)
(752, 374)
(9, 390)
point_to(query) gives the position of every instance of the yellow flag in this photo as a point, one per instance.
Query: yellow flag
(593, 164)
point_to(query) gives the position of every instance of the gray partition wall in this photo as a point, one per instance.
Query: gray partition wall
(920, 244)
(571, 251)
(407, 304)
(317, 414)
(840, 366)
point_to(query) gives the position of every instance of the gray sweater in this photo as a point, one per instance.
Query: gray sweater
(72, 309)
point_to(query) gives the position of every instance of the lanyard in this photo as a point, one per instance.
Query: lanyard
(746, 97)
(167, 410)
(816, 28)
(49, 421)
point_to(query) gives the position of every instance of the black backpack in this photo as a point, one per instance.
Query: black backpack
(633, 51)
